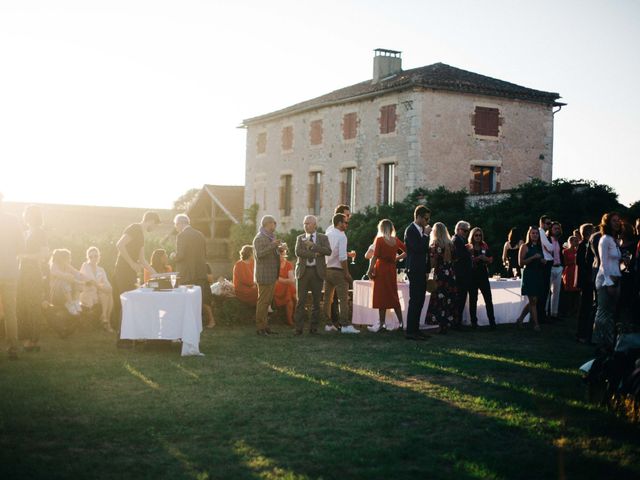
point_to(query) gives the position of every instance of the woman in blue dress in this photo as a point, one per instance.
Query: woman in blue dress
(532, 259)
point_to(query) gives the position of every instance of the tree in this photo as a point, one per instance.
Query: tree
(243, 233)
(182, 203)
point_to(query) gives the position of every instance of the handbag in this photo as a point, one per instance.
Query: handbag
(432, 285)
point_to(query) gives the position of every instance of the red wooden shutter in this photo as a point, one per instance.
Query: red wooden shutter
(391, 120)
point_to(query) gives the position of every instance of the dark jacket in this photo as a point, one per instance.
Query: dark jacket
(462, 264)
(191, 263)
(417, 260)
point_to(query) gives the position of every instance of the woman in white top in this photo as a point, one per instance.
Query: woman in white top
(98, 291)
(607, 281)
(64, 281)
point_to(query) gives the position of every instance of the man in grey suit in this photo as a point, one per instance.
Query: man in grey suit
(191, 263)
(266, 252)
(311, 267)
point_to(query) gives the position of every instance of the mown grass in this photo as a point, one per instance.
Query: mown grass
(505, 404)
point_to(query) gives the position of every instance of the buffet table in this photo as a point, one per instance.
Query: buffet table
(507, 304)
(164, 315)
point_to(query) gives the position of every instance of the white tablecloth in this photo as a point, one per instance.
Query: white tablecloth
(507, 304)
(170, 315)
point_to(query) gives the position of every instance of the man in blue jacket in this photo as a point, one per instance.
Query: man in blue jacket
(416, 239)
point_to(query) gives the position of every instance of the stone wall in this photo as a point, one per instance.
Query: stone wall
(434, 144)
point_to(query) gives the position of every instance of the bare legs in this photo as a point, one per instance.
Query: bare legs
(382, 315)
(530, 308)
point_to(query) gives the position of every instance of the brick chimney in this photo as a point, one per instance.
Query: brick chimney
(386, 63)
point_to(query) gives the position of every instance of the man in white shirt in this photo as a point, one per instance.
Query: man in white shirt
(346, 211)
(555, 281)
(547, 252)
(338, 278)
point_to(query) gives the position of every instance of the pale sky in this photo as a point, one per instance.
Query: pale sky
(132, 103)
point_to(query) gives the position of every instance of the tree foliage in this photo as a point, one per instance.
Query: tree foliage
(182, 203)
(243, 233)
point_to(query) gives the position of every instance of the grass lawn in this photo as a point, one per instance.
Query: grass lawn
(505, 404)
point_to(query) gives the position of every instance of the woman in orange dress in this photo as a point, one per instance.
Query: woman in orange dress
(382, 269)
(245, 288)
(285, 292)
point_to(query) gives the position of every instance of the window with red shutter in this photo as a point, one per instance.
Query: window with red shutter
(349, 126)
(261, 144)
(287, 138)
(315, 133)
(387, 119)
(286, 194)
(487, 121)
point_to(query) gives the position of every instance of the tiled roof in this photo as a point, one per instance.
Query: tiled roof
(438, 76)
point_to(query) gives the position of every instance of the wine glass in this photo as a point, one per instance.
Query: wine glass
(173, 278)
(352, 254)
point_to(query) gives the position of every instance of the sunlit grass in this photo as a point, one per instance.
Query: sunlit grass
(290, 372)
(490, 380)
(138, 374)
(261, 465)
(512, 361)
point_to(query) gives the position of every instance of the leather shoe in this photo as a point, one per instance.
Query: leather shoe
(313, 331)
(270, 332)
(415, 336)
(262, 332)
(297, 332)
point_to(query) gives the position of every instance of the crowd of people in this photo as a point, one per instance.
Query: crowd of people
(594, 275)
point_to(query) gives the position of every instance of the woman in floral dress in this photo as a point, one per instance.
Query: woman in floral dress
(442, 306)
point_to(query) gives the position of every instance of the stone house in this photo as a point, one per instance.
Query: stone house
(377, 141)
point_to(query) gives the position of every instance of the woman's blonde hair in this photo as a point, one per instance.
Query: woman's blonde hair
(386, 228)
(440, 238)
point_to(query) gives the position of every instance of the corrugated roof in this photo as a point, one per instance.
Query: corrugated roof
(438, 76)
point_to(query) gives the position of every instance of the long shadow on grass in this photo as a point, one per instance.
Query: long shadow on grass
(543, 436)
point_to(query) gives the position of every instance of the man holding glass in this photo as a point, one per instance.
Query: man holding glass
(338, 277)
(191, 262)
(311, 268)
(266, 252)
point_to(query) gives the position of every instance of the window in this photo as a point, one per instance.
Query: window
(388, 184)
(286, 193)
(486, 121)
(261, 143)
(348, 188)
(349, 126)
(315, 134)
(315, 193)
(287, 138)
(484, 180)
(387, 119)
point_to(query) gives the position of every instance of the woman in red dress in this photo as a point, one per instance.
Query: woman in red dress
(382, 269)
(285, 292)
(570, 276)
(245, 288)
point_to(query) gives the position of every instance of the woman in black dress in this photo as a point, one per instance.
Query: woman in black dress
(532, 259)
(442, 305)
(31, 283)
(480, 258)
(510, 253)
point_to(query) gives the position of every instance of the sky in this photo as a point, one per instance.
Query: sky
(132, 103)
